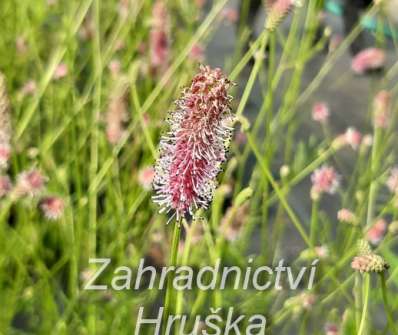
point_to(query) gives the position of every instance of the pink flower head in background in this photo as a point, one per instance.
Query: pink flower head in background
(145, 177)
(376, 233)
(5, 186)
(29, 88)
(320, 112)
(30, 183)
(230, 14)
(353, 137)
(200, 3)
(345, 215)
(392, 181)
(61, 71)
(5, 153)
(367, 60)
(192, 152)
(331, 329)
(21, 45)
(381, 109)
(197, 53)
(159, 39)
(52, 207)
(277, 10)
(324, 180)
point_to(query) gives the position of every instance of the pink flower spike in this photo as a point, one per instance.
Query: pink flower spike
(367, 60)
(320, 112)
(5, 186)
(52, 207)
(353, 138)
(192, 152)
(376, 233)
(145, 177)
(30, 183)
(381, 109)
(324, 180)
(277, 10)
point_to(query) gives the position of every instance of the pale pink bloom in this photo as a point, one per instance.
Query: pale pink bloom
(353, 137)
(197, 53)
(29, 88)
(52, 207)
(308, 300)
(30, 183)
(146, 176)
(61, 71)
(230, 14)
(376, 233)
(367, 140)
(21, 45)
(159, 42)
(324, 180)
(114, 67)
(345, 215)
(381, 109)
(320, 112)
(392, 181)
(322, 251)
(5, 153)
(5, 186)
(192, 152)
(332, 329)
(368, 59)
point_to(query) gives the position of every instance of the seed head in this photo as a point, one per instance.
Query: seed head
(367, 261)
(192, 151)
(277, 10)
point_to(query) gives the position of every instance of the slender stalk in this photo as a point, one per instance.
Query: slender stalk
(366, 288)
(387, 308)
(172, 262)
(314, 222)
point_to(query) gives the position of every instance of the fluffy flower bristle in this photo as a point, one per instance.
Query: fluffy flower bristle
(192, 151)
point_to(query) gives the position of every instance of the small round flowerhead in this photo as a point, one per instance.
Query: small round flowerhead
(5, 186)
(353, 137)
(324, 180)
(368, 60)
(376, 233)
(367, 261)
(320, 112)
(61, 71)
(30, 183)
(192, 151)
(29, 88)
(52, 207)
(381, 109)
(345, 215)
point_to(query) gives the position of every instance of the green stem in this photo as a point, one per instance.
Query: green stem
(173, 262)
(314, 222)
(390, 316)
(366, 287)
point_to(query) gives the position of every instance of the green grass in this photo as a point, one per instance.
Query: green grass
(61, 130)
